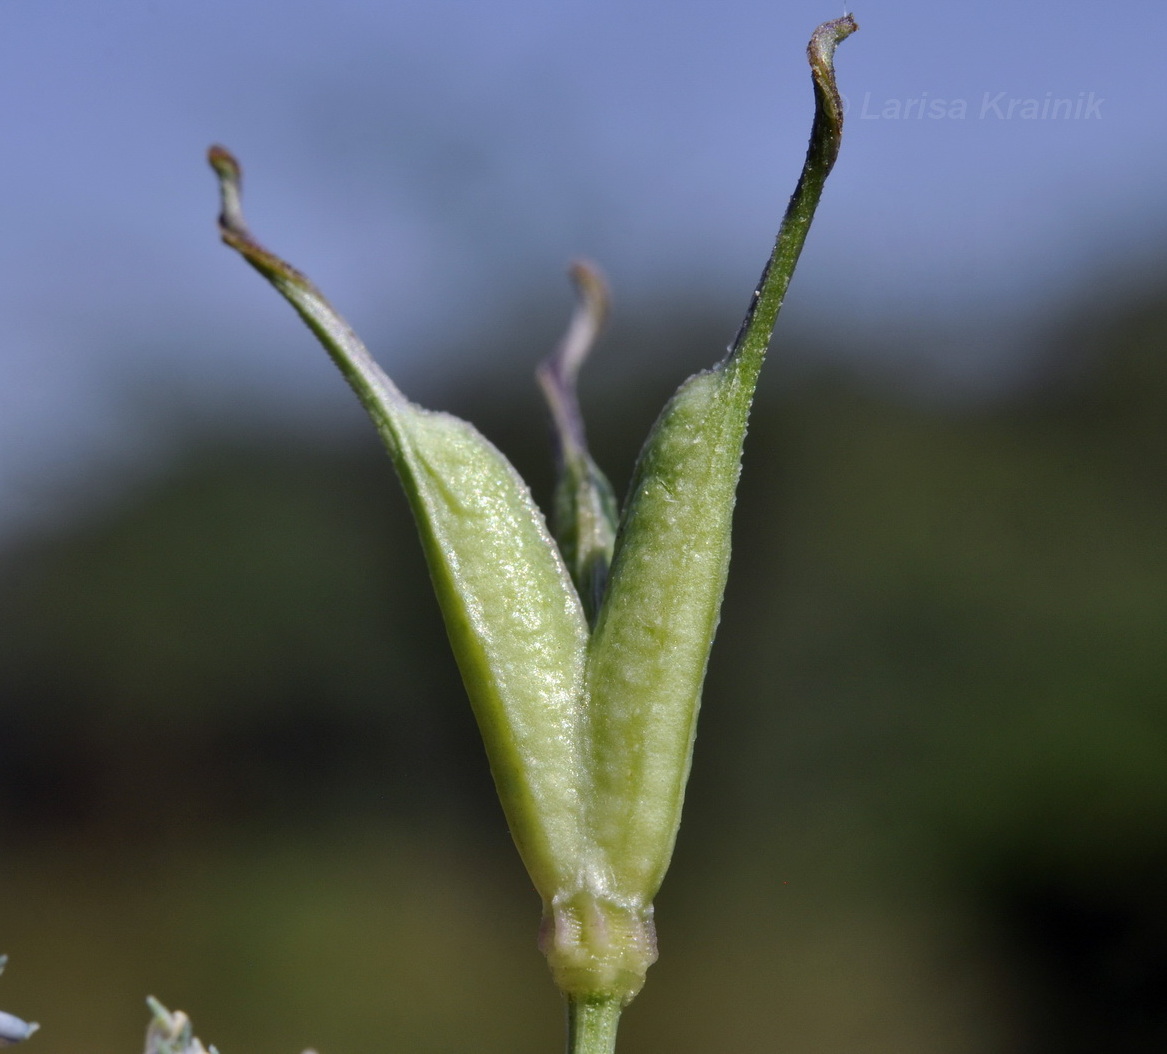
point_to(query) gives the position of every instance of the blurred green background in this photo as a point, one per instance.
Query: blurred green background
(928, 810)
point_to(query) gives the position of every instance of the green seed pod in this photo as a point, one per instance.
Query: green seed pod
(513, 617)
(648, 652)
(650, 645)
(584, 670)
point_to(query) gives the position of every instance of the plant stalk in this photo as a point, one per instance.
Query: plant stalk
(591, 1024)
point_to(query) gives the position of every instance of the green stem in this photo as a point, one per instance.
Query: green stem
(591, 1025)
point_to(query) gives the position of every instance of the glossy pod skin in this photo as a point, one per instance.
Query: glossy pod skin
(584, 662)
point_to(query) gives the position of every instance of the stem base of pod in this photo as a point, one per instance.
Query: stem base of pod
(591, 1025)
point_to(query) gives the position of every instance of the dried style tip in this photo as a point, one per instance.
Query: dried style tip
(235, 233)
(821, 54)
(559, 371)
(230, 186)
(827, 133)
(585, 513)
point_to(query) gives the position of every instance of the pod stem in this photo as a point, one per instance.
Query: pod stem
(591, 1025)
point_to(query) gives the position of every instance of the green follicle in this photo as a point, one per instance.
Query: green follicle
(585, 510)
(511, 612)
(650, 645)
(584, 663)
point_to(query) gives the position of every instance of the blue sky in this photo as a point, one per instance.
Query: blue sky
(420, 154)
